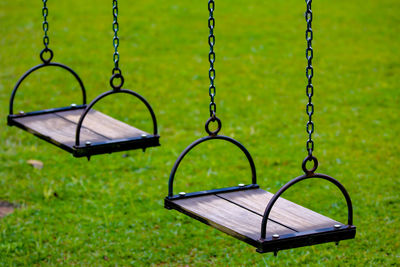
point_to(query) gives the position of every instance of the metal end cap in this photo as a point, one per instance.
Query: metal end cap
(275, 236)
(241, 185)
(337, 226)
(182, 194)
(88, 143)
(73, 105)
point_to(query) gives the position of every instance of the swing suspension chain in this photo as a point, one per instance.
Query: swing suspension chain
(45, 25)
(211, 73)
(309, 75)
(116, 69)
(211, 58)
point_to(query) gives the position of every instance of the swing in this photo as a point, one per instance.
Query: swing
(245, 211)
(63, 127)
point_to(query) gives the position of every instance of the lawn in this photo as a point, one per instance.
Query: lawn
(109, 211)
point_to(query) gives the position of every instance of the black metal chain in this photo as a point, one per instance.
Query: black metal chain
(211, 58)
(309, 75)
(211, 73)
(116, 72)
(116, 38)
(46, 39)
(45, 25)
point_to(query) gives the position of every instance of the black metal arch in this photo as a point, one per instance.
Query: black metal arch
(26, 74)
(201, 140)
(296, 180)
(94, 101)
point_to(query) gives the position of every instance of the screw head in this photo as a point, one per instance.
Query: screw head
(241, 185)
(275, 236)
(182, 194)
(144, 135)
(73, 105)
(337, 226)
(88, 143)
(21, 112)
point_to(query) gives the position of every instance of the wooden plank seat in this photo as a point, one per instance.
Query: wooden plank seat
(99, 134)
(239, 213)
(264, 220)
(81, 130)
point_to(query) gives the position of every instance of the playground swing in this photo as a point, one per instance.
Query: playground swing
(63, 127)
(257, 217)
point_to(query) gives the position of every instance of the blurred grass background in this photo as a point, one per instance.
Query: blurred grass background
(109, 211)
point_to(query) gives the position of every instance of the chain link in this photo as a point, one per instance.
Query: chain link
(45, 25)
(309, 75)
(211, 58)
(115, 27)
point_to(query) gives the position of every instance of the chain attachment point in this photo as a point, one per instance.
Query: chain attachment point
(304, 165)
(45, 51)
(213, 118)
(114, 77)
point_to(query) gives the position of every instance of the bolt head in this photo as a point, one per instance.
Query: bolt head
(88, 143)
(182, 194)
(275, 236)
(241, 185)
(73, 105)
(337, 226)
(144, 135)
(21, 112)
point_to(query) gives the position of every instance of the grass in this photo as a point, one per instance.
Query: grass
(109, 211)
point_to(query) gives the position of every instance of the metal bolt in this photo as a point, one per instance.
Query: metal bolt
(144, 135)
(21, 112)
(240, 185)
(182, 194)
(73, 105)
(88, 143)
(275, 236)
(337, 226)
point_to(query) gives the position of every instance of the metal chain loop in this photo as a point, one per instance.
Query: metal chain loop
(46, 39)
(309, 75)
(211, 58)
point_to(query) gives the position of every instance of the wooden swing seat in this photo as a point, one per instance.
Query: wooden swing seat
(239, 213)
(100, 133)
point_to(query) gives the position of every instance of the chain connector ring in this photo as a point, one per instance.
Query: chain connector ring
(117, 71)
(213, 118)
(117, 76)
(46, 50)
(304, 165)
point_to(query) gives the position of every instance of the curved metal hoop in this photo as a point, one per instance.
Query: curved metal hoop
(11, 109)
(295, 181)
(201, 140)
(94, 101)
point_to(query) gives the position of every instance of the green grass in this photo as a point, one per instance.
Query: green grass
(109, 211)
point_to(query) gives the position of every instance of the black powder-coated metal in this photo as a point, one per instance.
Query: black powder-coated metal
(295, 181)
(210, 192)
(116, 145)
(308, 238)
(268, 244)
(95, 148)
(201, 140)
(26, 74)
(98, 98)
